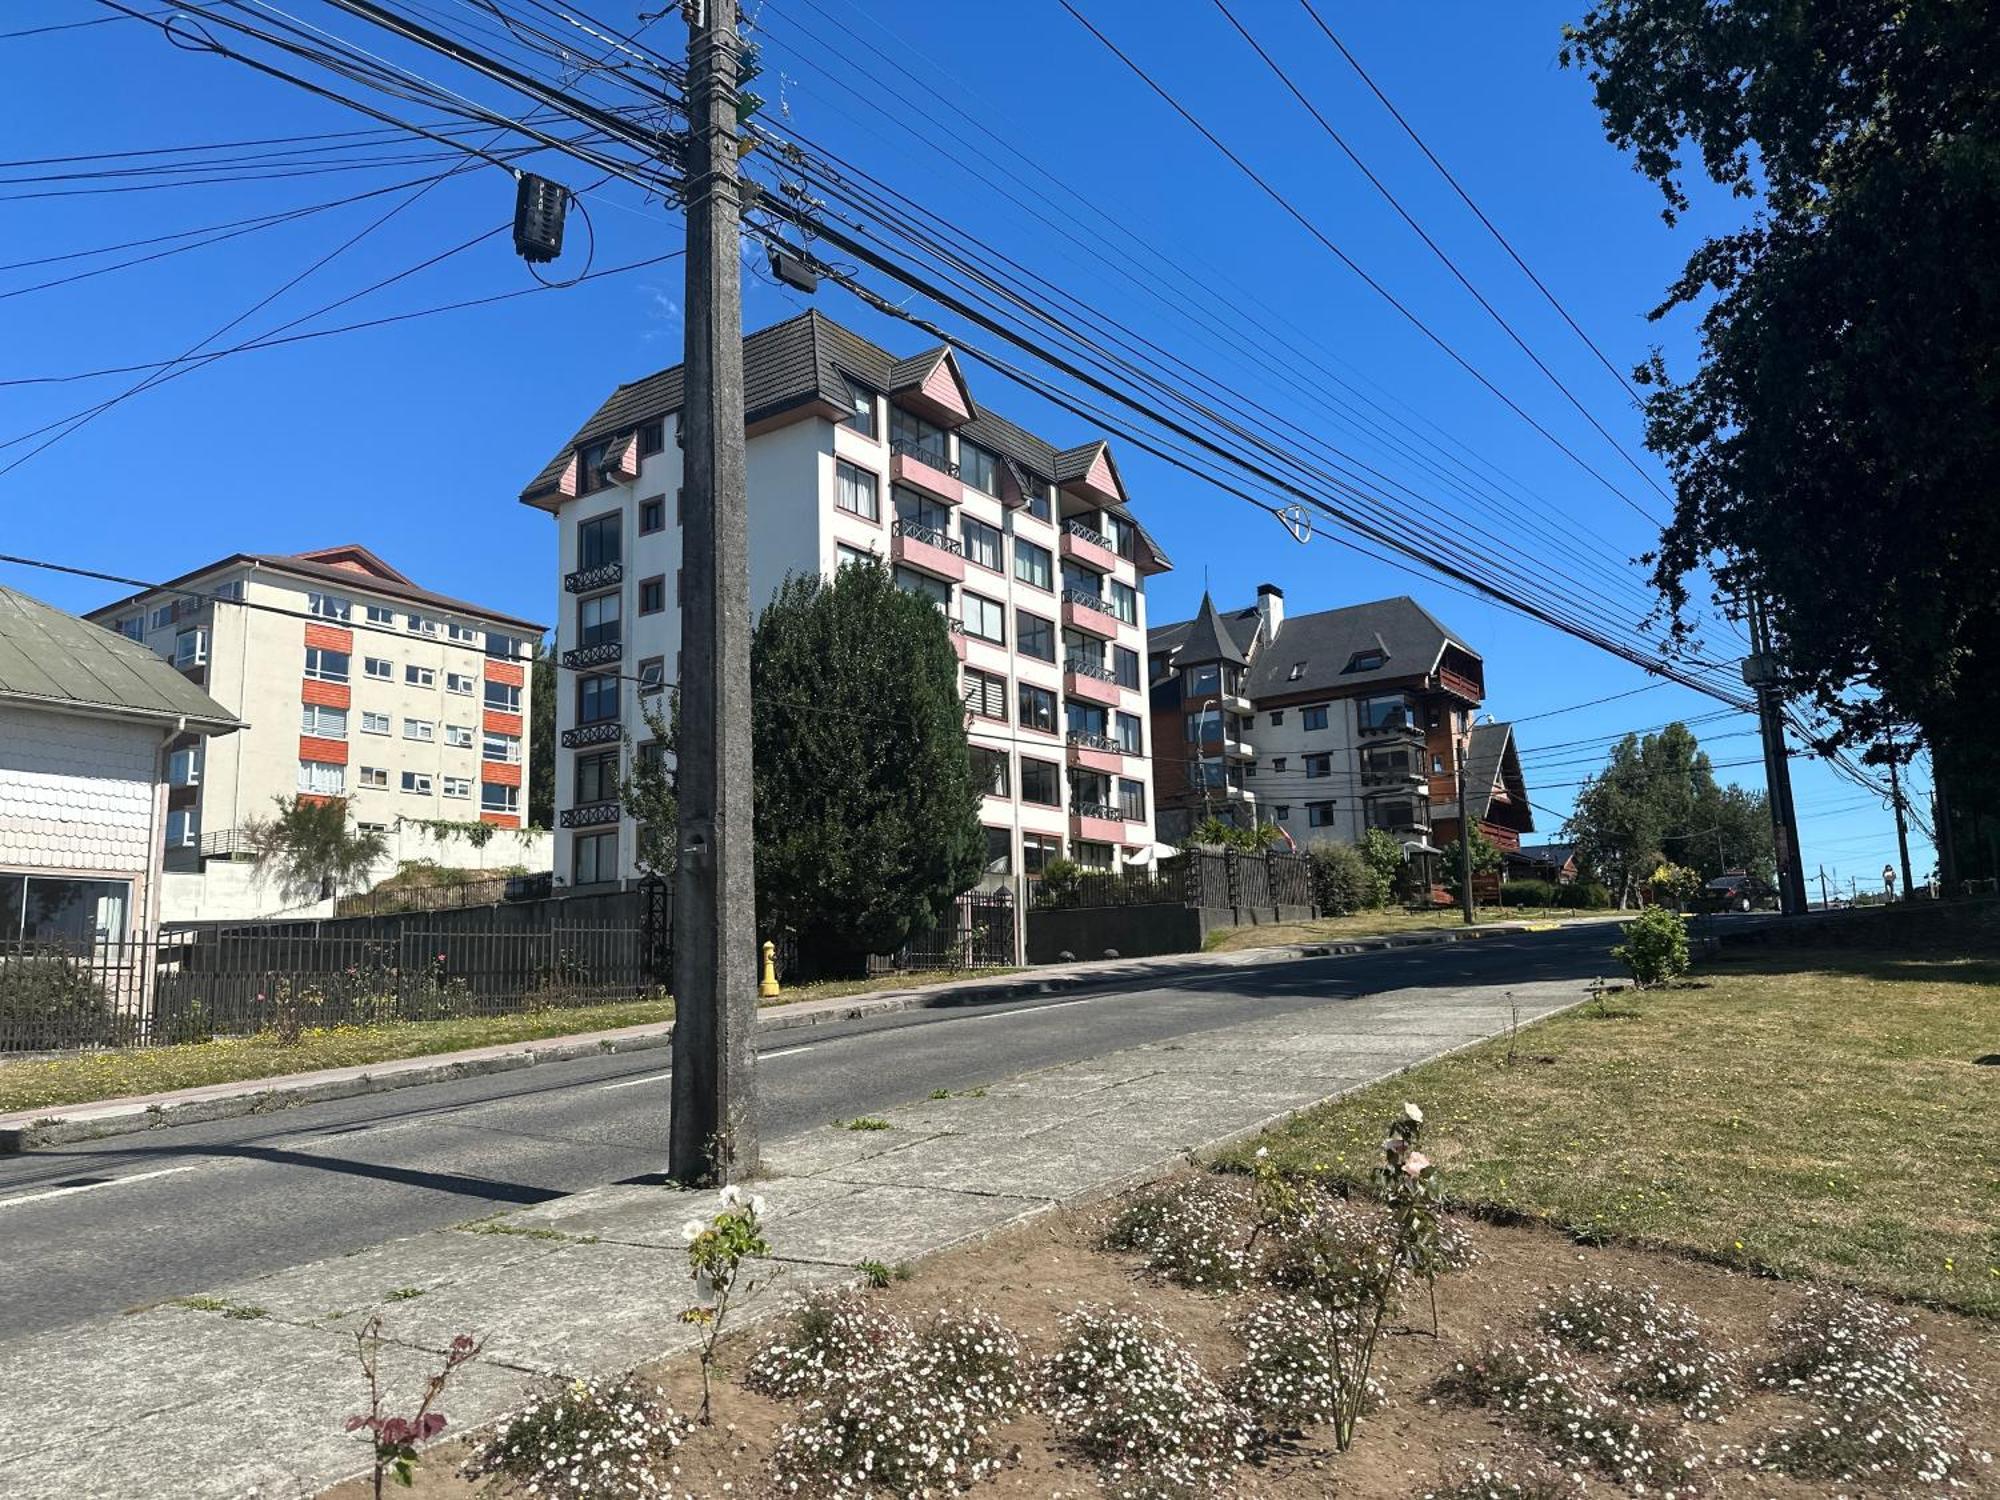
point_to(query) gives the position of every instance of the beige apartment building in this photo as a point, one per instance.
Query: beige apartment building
(354, 681)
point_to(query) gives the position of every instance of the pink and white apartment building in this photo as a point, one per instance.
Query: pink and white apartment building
(1031, 552)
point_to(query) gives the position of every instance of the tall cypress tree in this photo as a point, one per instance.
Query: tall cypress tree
(867, 813)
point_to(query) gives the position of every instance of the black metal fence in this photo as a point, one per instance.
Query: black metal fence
(192, 985)
(977, 934)
(1199, 878)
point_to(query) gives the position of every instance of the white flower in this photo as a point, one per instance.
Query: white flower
(1414, 1115)
(693, 1230)
(1262, 1152)
(731, 1196)
(757, 1205)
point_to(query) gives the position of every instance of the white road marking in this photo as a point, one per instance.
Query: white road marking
(786, 1052)
(632, 1083)
(1031, 1010)
(91, 1187)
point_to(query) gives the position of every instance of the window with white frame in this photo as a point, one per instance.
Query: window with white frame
(325, 723)
(417, 782)
(458, 786)
(231, 591)
(322, 778)
(416, 676)
(133, 627)
(191, 648)
(163, 616)
(374, 723)
(374, 778)
(503, 748)
(419, 729)
(461, 633)
(459, 736)
(183, 828)
(378, 667)
(503, 697)
(329, 606)
(495, 798)
(326, 666)
(458, 682)
(506, 647)
(421, 625)
(184, 767)
(378, 614)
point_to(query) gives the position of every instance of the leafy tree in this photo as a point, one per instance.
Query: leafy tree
(1656, 801)
(651, 795)
(867, 812)
(1214, 832)
(1385, 861)
(542, 690)
(1343, 882)
(311, 851)
(1835, 448)
(1486, 858)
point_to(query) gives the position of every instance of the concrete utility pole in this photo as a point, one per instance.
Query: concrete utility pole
(713, 1133)
(1760, 672)
(1902, 824)
(1465, 902)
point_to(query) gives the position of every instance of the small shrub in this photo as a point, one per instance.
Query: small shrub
(1343, 1255)
(395, 1438)
(588, 1439)
(875, 1273)
(718, 1250)
(1880, 1411)
(1136, 1402)
(828, 1333)
(1655, 947)
(1342, 882)
(1528, 893)
(1291, 1372)
(972, 1356)
(1188, 1233)
(1588, 895)
(48, 1002)
(1505, 1479)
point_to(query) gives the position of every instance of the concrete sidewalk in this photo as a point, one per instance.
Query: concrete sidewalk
(246, 1394)
(26, 1130)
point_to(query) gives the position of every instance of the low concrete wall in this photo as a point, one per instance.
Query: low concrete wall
(1086, 932)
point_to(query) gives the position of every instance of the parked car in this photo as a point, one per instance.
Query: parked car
(1737, 892)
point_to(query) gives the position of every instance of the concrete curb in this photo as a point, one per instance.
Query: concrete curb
(110, 1118)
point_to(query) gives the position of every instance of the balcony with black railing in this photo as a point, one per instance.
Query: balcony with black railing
(602, 732)
(597, 654)
(590, 815)
(925, 468)
(930, 549)
(589, 580)
(1087, 611)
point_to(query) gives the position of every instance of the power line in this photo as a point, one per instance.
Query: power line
(1345, 259)
(1435, 248)
(1466, 198)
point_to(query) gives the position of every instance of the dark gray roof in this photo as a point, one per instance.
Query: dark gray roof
(798, 362)
(1409, 636)
(53, 660)
(1555, 855)
(1207, 641)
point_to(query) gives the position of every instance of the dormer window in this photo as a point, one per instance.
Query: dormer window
(1298, 671)
(652, 438)
(860, 407)
(590, 467)
(1371, 660)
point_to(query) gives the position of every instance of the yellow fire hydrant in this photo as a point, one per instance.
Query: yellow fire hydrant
(767, 988)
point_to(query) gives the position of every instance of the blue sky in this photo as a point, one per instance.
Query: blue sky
(415, 438)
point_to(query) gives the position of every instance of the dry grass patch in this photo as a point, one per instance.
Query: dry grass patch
(1826, 1121)
(1365, 924)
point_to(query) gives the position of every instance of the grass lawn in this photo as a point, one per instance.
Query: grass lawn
(1813, 1114)
(1374, 924)
(87, 1077)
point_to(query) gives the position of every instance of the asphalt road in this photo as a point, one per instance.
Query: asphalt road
(96, 1228)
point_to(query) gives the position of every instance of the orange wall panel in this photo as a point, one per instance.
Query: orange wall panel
(326, 694)
(509, 672)
(499, 723)
(500, 820)
(329, 638)
(331, 752)
(499, 773)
